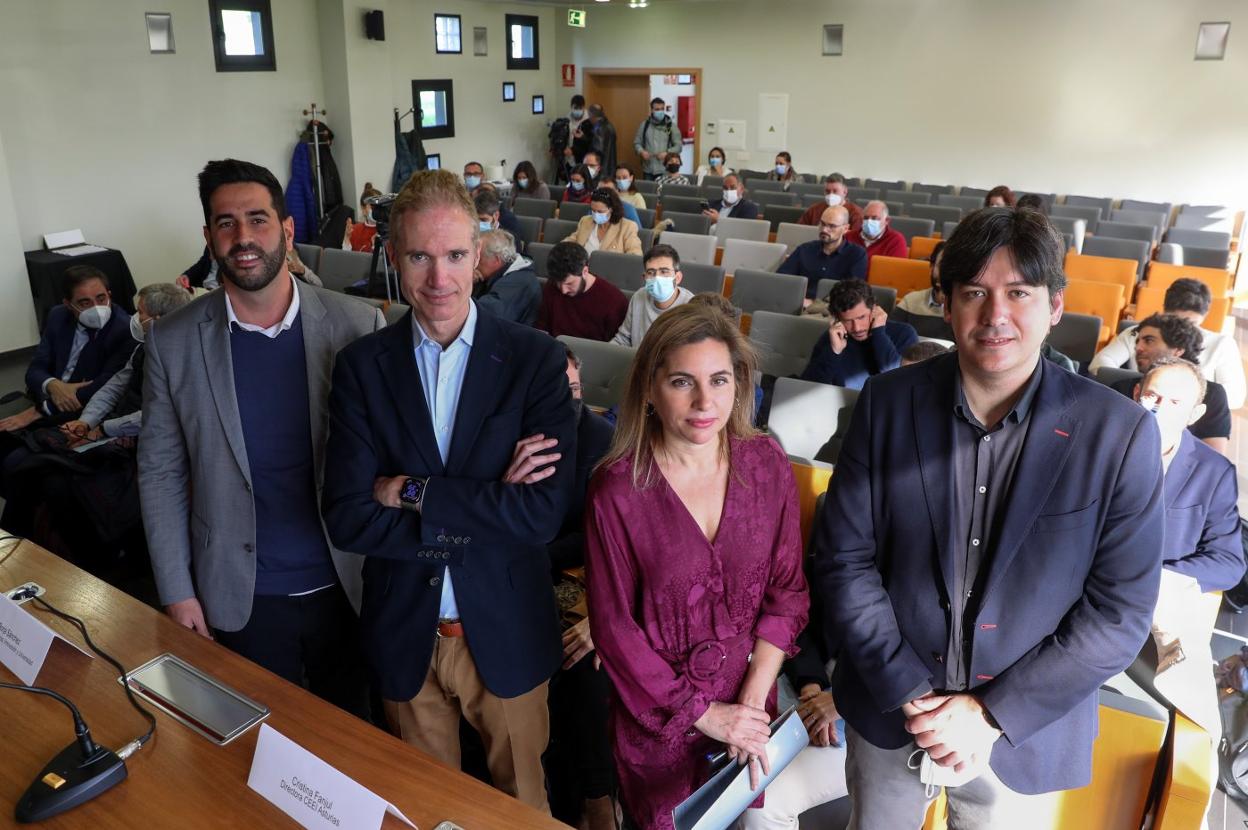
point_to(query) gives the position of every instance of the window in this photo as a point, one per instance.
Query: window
(446, 34)
(435, 104)
(522, 42)
(242, 35)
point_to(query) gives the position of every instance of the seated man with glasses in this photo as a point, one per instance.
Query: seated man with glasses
(828, 257)
(661, 291)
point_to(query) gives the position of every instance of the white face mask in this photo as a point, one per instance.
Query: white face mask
(833, 199)
(731, 197)
(136, 329)
(96, 317)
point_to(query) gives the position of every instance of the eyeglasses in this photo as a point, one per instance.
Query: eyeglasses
(651, 273)
(823, 225)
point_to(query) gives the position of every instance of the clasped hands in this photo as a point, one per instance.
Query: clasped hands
(953, 729)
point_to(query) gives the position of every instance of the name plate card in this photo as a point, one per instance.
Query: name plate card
(25, 641)
(312, 792)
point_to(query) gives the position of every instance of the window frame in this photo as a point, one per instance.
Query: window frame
(446, 86)
(523, 20)
(242, 63)
(459, 23)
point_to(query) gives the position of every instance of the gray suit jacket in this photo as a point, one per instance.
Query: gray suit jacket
(194, 480)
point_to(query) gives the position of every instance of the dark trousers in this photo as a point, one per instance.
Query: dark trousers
(311, 640)
(579, 762)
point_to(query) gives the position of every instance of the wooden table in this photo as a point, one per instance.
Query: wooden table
(181, 780)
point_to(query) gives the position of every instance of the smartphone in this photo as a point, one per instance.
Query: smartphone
(705, 205)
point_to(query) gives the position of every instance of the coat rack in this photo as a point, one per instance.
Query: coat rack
(316, 155)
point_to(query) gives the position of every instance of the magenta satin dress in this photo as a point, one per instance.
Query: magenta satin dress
(674, 617)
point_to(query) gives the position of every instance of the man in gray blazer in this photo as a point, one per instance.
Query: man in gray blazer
(231, 452)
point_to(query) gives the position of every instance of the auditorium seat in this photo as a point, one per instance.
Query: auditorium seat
(699, 278)
(921, 246)
(341, 268)
(604, 369)
(541, 208)
(809, 420)
(646, 236)
(573, 211)
(910, 227)
(624, 271)
(744, 253)
(755, 230)
(965, 203)
(1077, 228)
(767, 199)
(784, 341)
(681, 204)
(1102, 204)
(1107, 246)
(777, 215)
(556, 192)
(1110, 375)
(692, 247)
(538, 252)
(885, 295)
(884, 185)
(905, 197)
(1197, 238)
(1203, 222)
(939, 213)
(1153, 218)
(557, 230)
(530, 230)
(1113, 270)
(1176, 254)
(310, 255)
(394, 312)
(861, 195)
(903, 274)
(1076, 336)
(646, 187)
(690, 190)
(977, 192)
(1162, 275)
(791, 235)
(1149, 300)
(1099, 299)
(713, 182)
(1124, 230)
(765, 185)
(755, 290)
(1091, 215)
(807, 189)
(1150, 207)
(933, 189)
(694, 223)
(646, 215)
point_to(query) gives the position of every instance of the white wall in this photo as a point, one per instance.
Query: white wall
(486, 130)
(17, 312)
(1095, 97)
(100, 134)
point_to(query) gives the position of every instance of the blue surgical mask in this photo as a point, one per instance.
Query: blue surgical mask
(575, 185)
(716, 161)
(623, 184)
(523, 184)
(657, 115)
(485, 226)
(473, 182)
(660, 289)
(578, 114)
(872, 228)
(600, 218)
(781, 169)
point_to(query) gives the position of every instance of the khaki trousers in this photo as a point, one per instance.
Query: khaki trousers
(515, 730)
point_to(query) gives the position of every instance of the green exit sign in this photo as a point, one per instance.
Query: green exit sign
(576, 17)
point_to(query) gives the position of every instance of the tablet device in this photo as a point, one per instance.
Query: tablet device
(199, 701)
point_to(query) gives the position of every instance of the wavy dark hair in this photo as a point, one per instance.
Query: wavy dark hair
(609, 197)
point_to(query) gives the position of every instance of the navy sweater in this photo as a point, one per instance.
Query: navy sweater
(271, 380)
(858, 361)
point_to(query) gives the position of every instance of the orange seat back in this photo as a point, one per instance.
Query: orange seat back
(902, 273)
(1149, 300)
(921, 246)
(1162, 275)
(1103, 299)
(1103, 269)
(812, 482)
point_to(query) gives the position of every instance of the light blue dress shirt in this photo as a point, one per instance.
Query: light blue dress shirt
(442, 379)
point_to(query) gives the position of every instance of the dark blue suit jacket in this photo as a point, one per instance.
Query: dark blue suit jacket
(1202, 516)
(1068, 593)
(744, 209)
(492, 535)
(100, 359)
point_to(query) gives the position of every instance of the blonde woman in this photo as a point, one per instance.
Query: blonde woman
(693, 561)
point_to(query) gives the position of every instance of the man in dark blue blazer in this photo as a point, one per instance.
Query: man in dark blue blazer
(733, 204)
(459, 614)
(990, 549)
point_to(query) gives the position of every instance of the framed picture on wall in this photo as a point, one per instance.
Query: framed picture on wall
(434, 160)
(684, 80)
(539, 104)
(509, 91)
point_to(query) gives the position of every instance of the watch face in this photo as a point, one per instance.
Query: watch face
(410, 491)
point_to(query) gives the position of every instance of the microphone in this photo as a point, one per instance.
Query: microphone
(78, 773)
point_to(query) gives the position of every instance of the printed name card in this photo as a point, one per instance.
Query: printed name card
(312, 792)
(25, 641)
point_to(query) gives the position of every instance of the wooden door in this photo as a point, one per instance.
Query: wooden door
(626, 101)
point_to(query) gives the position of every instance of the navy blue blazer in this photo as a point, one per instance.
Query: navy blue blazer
(1067, 596)
(1202, 516)
(100, 359)
(492, 535)
(744, 209)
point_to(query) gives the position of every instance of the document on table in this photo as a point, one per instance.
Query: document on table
(79, 250)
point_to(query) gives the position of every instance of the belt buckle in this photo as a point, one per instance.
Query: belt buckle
(706, 659)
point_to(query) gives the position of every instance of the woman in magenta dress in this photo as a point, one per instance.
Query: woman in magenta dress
(693, 561)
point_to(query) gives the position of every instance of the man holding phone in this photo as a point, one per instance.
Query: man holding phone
(733, 203)
(861, 340)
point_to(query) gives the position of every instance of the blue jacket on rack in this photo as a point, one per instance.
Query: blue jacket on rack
(301, 194)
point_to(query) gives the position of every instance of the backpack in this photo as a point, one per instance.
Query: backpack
(1232, 679)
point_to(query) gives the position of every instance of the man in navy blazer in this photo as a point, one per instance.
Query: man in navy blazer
(990, 549)
(459, 616)
(738, 208)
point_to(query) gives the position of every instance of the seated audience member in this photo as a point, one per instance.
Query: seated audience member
(861, 340)
(718, 302)
(574, 301)
(783, 170)
(672, 174)
(692, 643)
(999, 196)
(582, 774)
(733, 202)
(363, 232)
(1031, 201)
(604, 228)
(829, 256)
(1219, 356)
(715, 166)
(506, 284)
(300, 271)
(203, 274)
(474, 175)
(625, 185)
(835, 193)
(85, 341)
(662, 291)
(1201, 552)
(630, 212)
(920, 351)
(1168, 335)
(876, 236)
(656, 140)
(579, 189)
(931, 301)
(525, 183)
(492, 215)
(90, 514)
(593, 166)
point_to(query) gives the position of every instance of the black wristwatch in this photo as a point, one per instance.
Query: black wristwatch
(412, 493)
